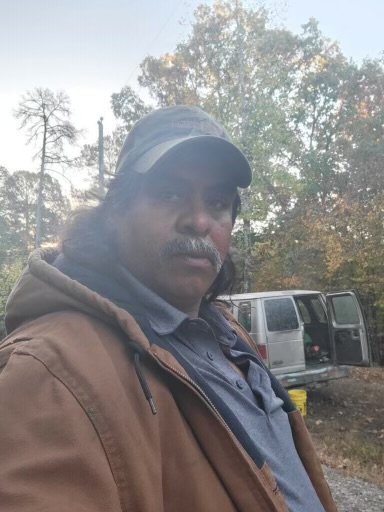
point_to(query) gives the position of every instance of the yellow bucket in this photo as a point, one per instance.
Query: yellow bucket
(299, 398)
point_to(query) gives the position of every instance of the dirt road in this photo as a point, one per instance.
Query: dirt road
(353, 494)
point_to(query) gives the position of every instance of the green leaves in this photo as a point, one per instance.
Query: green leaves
(128, 107)
(18, 199)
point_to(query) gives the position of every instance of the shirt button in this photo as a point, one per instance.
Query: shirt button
(210, 355)
(240, 384)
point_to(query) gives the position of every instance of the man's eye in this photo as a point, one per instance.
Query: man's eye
(170, 195)
(220, 204)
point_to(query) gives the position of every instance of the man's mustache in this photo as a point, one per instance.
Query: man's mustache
(193, 247)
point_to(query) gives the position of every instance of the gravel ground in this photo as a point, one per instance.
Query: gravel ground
(353, 494)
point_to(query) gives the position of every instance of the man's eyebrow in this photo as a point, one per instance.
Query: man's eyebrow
(226, 188)
(167, 179)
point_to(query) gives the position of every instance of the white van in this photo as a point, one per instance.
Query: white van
(305, 337)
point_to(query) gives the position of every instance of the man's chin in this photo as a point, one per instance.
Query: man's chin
(187, 289)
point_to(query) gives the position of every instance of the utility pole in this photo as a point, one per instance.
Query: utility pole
(243, 125)
(101, 157)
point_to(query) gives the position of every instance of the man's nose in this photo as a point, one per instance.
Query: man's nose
(195, 218)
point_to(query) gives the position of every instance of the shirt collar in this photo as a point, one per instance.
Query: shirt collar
(222, 329)
(163, 317)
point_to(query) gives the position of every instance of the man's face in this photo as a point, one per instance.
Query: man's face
(177, 229)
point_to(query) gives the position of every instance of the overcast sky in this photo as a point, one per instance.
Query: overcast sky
(91, 49)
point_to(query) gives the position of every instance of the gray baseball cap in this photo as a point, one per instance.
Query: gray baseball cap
(163, 131)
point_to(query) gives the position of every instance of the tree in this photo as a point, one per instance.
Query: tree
(46, 116)
(9, 272)
(240, 70)
(128, 107)
(18, 199)
(311, 123)
(88, 160)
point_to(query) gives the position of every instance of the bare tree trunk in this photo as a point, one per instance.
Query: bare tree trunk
(39, 210)
(46, 117)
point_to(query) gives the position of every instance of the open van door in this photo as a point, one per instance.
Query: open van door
(348, 328)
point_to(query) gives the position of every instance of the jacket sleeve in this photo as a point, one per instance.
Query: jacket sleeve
(51, 458)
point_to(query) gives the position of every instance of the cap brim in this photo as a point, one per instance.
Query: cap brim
(231, 155)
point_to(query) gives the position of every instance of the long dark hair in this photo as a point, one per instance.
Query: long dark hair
(88, 238)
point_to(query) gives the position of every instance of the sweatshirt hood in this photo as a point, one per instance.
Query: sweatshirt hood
(42, 289)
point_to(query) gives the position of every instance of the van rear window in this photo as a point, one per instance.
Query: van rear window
(280, 314)
(345, 310)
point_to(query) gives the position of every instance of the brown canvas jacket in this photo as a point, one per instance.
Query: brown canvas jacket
(77, 433)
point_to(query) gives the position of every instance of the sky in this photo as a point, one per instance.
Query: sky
(91, 49)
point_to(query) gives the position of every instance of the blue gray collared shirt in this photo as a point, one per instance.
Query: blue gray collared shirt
(208, 344)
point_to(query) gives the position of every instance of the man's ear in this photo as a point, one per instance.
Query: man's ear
(114, 218)
(111, 223)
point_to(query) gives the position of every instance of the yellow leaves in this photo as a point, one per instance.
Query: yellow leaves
(334, 255)
(319, 63)
(316, 64)
(362, 109)
(325, 248)
(220, 9)
(292, 282)
(168, 59)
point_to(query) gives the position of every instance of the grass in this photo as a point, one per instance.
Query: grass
(346, 420)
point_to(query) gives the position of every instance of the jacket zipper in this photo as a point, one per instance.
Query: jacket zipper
(196, 386)
(184, 377)
(206, 398)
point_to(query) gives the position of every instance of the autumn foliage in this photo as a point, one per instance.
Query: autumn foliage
(311, 123)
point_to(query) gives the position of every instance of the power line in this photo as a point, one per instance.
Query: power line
(173, 12)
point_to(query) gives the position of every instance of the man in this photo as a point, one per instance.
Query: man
(123, 387)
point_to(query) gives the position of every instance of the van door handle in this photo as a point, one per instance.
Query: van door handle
(280, 361)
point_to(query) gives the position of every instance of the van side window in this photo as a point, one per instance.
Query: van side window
(280, 314)
(244, 316)
(303, 311)
(318, 308)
